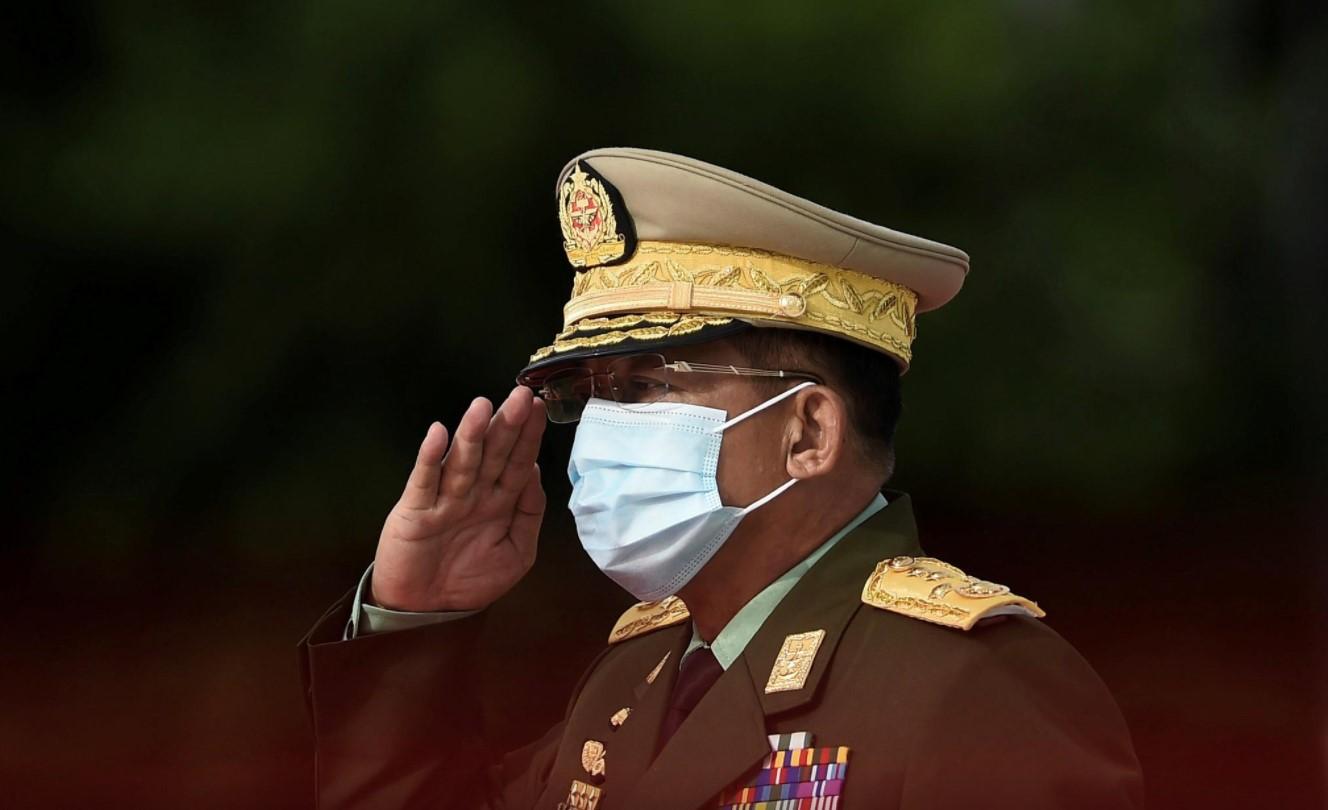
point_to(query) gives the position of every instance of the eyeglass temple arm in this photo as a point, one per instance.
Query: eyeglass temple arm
(685, 367)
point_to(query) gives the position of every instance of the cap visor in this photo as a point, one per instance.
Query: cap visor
(621, 335)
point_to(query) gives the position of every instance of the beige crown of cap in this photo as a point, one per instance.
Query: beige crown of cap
(671, 249)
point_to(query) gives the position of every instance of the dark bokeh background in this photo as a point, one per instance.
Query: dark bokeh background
(251, 249)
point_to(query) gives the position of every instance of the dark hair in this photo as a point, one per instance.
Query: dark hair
(867, 379)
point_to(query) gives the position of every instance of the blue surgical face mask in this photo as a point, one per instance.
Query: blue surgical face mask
(644, 493)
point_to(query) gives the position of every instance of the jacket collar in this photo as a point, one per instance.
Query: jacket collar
(826, 599)
(726, 734)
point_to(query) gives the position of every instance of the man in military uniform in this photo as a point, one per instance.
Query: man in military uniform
(731, 354)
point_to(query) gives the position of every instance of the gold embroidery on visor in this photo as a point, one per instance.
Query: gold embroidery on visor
(685, 325)
(596, 324)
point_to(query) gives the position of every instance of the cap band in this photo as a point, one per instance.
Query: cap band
(763, 288)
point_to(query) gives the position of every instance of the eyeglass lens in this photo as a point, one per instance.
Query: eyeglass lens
(637, 379)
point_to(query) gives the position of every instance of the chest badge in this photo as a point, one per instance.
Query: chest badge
(619, 717)
(654, 673)
(592, 758)
(794, 661)
(581, 796)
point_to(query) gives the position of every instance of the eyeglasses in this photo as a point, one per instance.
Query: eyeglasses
(632, 380)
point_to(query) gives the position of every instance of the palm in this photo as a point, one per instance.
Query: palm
(466, 527)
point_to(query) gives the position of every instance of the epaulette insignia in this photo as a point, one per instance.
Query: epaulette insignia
(646, 616)
(928, 589)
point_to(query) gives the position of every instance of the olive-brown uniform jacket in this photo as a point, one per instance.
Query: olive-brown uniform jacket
(1005, 714)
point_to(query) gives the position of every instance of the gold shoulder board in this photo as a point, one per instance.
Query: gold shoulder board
(644, 617)
(928, 589)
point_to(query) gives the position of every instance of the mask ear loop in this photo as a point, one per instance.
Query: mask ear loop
(782, 488)
(768, 497)
(772, 401)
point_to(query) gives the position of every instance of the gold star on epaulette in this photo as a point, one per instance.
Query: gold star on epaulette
(928, 589)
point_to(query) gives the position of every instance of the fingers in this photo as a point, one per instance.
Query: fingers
(528, 516)
(463, 461)
(525, 450)
(422, 485)
(506, 425)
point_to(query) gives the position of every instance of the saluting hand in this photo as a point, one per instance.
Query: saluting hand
(466, 527)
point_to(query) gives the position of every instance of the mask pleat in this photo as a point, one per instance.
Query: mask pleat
(644, 492)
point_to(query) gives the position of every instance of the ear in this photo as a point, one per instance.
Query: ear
(817, 433)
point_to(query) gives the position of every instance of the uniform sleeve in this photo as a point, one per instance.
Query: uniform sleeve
(1025, 723)
(366, 619)
(397, 721)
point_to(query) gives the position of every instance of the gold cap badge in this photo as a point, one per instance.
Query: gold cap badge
(591, 234)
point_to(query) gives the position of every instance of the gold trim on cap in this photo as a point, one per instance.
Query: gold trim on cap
(758, 286)
(624, 321)
(664, 325)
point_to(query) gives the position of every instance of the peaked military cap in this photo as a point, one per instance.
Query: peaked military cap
(668, 250)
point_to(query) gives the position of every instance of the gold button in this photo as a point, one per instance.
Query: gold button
(792, 305)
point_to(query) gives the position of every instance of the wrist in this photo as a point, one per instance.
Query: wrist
(371, 598)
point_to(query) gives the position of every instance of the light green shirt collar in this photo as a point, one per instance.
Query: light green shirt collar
(733, 639)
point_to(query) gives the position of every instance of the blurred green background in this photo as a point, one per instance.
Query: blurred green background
(254, 248)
